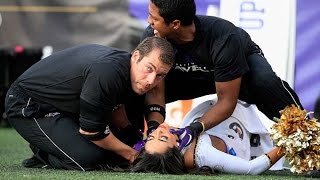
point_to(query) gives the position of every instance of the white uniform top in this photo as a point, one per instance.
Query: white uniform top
(245, 137)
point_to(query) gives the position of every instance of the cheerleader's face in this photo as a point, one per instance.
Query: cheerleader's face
(160, 140)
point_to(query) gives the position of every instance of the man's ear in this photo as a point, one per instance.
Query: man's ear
(175, 24)
(135, 56)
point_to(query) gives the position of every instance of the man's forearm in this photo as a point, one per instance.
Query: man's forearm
(218, 113)
(156, 96)
(112, 143)
(228, 93)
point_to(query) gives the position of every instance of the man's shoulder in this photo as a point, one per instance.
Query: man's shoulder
(84, 49)
(213, 21)
(91, 46)
(98, 50)
(209, 19)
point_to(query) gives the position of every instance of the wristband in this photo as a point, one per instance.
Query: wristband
(155, 108)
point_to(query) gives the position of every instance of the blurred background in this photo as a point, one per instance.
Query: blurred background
(287, 31)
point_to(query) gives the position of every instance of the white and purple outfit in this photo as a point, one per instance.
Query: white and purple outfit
(246, 139)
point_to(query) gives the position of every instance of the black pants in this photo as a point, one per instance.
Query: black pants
(261, 86)
(55, 138)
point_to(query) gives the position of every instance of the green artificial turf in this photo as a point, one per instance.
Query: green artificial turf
(13, 149)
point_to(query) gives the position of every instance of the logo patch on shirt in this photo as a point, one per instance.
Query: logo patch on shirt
(191, 68)
(107, 131)
(116, 107)
(237, 129)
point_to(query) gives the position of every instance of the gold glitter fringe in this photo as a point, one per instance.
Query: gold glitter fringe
(299, 139)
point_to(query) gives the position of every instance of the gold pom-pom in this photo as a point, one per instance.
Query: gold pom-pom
(299, 139)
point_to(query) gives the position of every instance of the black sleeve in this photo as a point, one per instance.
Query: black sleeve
(231, 60)
(97, 97)
(92, 118)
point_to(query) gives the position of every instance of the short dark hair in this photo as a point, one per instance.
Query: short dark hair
(170, 10)
(150, 43)
(170, 162)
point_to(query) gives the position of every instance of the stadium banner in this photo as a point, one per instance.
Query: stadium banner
(271, 25)
(307, 59)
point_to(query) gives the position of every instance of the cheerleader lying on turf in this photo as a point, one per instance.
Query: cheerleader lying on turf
(239, 145)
